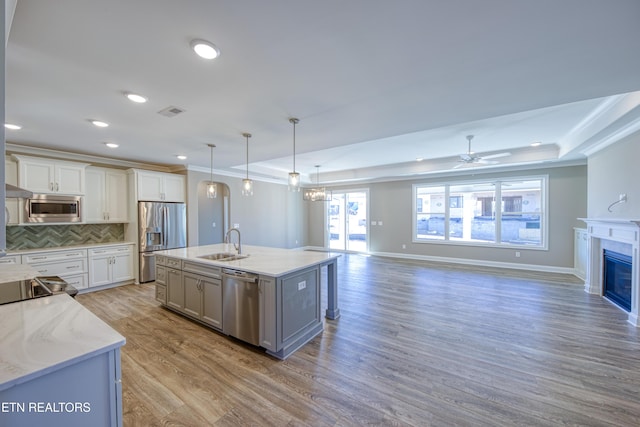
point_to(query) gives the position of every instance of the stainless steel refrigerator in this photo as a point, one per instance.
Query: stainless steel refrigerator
(161, 226)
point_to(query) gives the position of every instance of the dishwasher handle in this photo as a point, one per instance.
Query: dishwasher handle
(240, 275)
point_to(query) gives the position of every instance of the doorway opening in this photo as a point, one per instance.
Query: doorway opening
(213, 214)
(347, 218)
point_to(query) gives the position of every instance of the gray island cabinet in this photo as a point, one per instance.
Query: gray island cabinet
(59, 365)
(288, 281)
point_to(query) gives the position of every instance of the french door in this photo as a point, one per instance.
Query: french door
(347, 218)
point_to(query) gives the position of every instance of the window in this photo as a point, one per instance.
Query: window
(430, 218)
(473, 216)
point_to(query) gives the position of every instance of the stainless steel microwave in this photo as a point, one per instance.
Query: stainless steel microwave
(53, 208)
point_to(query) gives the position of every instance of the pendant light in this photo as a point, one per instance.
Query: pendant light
(247, 184)
(294, 177)
(317, 194)
(212, 187)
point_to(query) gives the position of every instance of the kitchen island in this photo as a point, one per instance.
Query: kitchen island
(190, 281)
(59, 364)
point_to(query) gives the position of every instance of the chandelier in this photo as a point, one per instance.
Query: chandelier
(317, 194)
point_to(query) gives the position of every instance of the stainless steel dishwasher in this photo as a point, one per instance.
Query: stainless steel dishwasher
(240, 310)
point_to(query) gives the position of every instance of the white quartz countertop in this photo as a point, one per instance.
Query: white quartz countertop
(15, 272)
(66, 248)
(273, 262)
(43, 335)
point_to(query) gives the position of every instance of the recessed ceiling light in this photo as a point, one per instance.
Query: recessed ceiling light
(99, 123)
(205, 49)
(419, 159)
(182, 157)
(136, 98)
(111, 144)
(536, 144)
(12, 127)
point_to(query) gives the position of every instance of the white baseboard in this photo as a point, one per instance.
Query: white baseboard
(463, 261)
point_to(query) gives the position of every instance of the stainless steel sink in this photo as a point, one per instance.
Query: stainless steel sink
(218, 256)
(223, 256)
(234, 257)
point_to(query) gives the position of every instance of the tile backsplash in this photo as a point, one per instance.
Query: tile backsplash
(53, 236)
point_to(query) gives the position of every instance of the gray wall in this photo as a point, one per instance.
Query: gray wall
(212, 212)
(3, 236)
(613, 171)
(391, 202)
(271, 217)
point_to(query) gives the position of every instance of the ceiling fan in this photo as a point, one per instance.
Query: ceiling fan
(471, 157)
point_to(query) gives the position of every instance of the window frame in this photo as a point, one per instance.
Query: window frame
(497, 182)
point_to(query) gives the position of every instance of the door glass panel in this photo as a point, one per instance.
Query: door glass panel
(336, 221)
(348, 221)
(356, 204)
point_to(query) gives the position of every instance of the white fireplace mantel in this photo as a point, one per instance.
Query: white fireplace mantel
(604, 232)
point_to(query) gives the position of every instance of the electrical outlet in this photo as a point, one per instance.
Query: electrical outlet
(404, 246)
(213, 224)
(236, 225)
(302, 285)
(622, 197)
(517, 254)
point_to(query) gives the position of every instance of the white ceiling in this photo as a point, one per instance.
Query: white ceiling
(375, 84)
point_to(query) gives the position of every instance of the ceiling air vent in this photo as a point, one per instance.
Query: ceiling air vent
(170, 111)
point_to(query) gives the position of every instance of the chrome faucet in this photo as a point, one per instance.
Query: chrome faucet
(227, 239)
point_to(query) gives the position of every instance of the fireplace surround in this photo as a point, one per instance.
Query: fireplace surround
(623, 237)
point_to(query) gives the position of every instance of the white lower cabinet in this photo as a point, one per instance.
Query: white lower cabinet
(109, 265)
(83, 268)
(78, 281)
(71, 265)
(580, 252)
(11, 259)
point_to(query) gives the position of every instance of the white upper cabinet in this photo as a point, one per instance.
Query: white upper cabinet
(162, 187)
(47, 176)
(12, 206)
(107, 196)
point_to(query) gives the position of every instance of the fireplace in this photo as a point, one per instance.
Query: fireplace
(622, 238)
(616, 278)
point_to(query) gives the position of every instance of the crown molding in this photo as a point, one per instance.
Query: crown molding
(12, 148)
(615, 118)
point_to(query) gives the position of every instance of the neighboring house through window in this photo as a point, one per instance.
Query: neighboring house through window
(472, 215)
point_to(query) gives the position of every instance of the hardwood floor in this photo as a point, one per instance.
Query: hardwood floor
(417, 344)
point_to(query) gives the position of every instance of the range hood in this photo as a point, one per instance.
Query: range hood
(13, 192)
